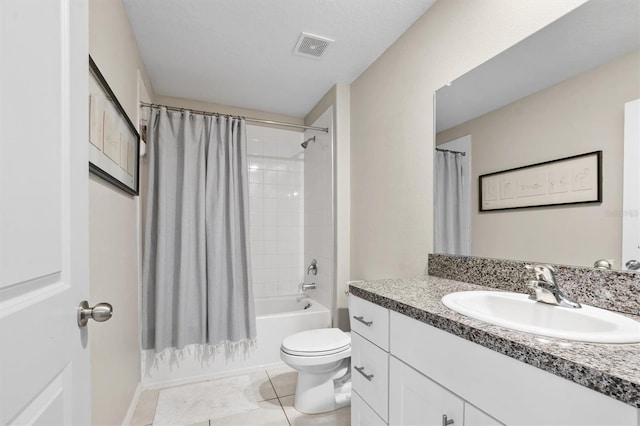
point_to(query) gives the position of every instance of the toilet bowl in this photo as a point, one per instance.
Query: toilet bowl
(322, 358)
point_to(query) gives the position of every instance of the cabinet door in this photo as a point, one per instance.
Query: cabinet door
(416, 400)
(362, 414)
(474, 417)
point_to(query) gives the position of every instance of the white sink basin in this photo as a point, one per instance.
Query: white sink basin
(516, 311)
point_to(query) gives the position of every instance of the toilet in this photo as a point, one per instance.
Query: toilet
(322, 358)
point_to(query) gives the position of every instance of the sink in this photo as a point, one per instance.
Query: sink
(517, 312)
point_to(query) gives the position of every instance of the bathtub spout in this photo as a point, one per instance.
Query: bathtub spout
(305, 287)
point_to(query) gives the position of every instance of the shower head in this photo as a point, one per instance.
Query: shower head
(305, 143)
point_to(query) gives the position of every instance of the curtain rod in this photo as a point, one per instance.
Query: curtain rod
(453, 152)
(253, 120)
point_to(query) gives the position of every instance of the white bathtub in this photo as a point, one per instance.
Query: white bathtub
(287, 305)
(276, 318)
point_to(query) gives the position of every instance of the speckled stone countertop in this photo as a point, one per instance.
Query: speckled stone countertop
(613, 370)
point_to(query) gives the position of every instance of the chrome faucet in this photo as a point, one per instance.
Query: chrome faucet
(313, 267)
(545, 289)
(603, 264)
(305, 287)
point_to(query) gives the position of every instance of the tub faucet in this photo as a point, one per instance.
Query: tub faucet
(305, 287)
(545, 289)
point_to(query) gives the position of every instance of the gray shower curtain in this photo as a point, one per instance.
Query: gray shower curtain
(196, 268)
(449, 204)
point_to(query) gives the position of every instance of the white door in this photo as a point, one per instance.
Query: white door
(631, 187)
(44, 360)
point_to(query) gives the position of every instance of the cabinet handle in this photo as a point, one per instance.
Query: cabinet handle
(445, 421)
(360, 370)
(361, 319)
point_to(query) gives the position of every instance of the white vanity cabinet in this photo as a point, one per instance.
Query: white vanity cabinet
(369, 363)
(421, 373)
(507, 390)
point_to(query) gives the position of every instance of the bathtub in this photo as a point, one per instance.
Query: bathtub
(276, 318)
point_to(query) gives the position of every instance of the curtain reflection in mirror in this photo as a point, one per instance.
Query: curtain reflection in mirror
(450, 204)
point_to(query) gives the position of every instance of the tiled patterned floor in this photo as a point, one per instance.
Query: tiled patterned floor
(262, 398)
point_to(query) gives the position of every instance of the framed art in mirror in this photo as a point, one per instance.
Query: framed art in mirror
(114, 142)
(569, 180)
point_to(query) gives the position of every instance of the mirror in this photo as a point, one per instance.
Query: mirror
(559, 93)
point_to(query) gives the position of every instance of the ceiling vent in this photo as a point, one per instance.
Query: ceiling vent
(311, 46)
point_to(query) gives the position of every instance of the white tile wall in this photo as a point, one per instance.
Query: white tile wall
(276, 210)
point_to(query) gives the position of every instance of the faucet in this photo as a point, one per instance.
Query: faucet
(313, 267)
(603, 264)
(305, 287)
(545, 289)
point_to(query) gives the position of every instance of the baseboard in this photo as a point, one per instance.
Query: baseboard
(132, 407)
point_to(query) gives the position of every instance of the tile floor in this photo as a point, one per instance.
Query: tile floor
(261, 398)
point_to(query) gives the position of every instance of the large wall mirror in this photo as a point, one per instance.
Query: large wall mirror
(559, 93)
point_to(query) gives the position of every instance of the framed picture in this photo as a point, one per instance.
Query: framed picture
(114, 143)
(570, 180)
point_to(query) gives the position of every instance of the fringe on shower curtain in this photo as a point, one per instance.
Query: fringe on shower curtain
(196, 286)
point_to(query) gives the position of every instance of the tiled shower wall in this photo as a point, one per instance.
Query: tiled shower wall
(276, 209)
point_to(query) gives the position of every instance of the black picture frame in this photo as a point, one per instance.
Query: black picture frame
(114, 142)
(544, 195)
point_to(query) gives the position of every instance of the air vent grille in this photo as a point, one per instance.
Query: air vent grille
(312, 46)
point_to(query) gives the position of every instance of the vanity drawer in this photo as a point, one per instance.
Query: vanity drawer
(370, 320)
(370, 374)
(362, 414)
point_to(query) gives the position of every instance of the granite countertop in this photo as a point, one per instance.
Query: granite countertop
(611, 369)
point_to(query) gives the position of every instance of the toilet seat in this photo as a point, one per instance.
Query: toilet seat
(314, 343)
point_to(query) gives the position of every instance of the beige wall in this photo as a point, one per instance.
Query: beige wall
(339, 98)
(113, 217)
(580, 115)
(392, 124)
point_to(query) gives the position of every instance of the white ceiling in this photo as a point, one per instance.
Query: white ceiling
(591, 35)
(239, 52)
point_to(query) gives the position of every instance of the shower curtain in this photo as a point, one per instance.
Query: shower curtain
(449, 204)
(196, 266)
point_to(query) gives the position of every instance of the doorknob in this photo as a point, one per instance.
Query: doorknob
(100, 313)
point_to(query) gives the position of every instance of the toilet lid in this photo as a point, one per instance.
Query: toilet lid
(324, 341)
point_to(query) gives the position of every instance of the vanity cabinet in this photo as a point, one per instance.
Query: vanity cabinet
(421, 373)
(510, 391)
(369, 362)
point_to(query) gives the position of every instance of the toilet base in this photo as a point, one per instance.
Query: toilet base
(322, 392)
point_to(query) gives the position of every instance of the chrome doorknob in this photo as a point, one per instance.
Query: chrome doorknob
(100, 313)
